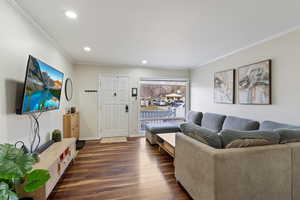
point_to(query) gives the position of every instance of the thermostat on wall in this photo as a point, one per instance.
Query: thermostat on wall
(134, 92)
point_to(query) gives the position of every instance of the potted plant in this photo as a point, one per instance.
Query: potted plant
(16, 171)
(56, 135)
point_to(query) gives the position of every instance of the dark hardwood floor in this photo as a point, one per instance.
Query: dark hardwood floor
(126, 171)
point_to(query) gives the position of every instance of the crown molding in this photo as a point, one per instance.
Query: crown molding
(119, 65)
(39, 28)
(275, 36)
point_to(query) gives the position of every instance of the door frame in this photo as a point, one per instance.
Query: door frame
(99, 109)
(188, 97)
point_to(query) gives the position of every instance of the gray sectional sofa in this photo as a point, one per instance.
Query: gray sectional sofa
(212, 121)
(269, 172)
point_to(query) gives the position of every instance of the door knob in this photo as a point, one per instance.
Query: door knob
(126, 108)
(115, 94)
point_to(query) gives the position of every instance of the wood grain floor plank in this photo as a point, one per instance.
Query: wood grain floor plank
(133, 170)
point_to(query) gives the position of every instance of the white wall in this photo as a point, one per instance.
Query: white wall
(18, 39)
(284, 52)
(87, 77)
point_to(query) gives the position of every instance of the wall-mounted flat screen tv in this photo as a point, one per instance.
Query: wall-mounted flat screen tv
(42, 88)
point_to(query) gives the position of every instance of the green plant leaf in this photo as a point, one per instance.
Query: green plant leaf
(36, 179)
(17, 181)
(14, 163)
(6, 193)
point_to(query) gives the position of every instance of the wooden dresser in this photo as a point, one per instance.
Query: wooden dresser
(71, 125)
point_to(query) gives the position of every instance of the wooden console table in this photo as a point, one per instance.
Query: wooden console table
(167, 143)
(55, 159)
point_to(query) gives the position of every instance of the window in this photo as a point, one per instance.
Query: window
(162, 101)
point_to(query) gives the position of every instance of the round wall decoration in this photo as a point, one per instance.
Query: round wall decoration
(69, 89)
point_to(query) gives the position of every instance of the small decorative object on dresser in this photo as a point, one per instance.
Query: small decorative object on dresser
(224, 86)
(73, 109)
(71, 125)
(56, 135)
(254, 83)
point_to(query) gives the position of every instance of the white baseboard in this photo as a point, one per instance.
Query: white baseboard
(95, 138)
(88, 138)
(136, 135)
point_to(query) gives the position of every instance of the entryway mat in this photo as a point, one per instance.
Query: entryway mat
(113, 140)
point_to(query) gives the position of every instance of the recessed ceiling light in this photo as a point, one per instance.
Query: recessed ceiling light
(71, 14)
(144, 62)
(87, 49)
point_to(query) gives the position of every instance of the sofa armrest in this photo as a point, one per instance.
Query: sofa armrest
(295, 169)
(255, 173)
(194, 164)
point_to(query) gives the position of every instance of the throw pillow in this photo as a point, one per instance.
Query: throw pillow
(288, 135)
(201, 134)
(236, 139)
(194, 117)
(240, 143)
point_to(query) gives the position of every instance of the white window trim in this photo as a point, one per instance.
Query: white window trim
(188, 96)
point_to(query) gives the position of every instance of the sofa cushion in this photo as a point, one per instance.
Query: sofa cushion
(288, 135)
(166, 127)
(194, 117)
(241, 143)
(271, 126)
(201, 134)
(265, 137)
(240, 124)
(213, 121)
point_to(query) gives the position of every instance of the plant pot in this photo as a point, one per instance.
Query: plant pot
(56, 135)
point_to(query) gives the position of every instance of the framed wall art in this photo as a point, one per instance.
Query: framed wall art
(224, 87)
(254, 83)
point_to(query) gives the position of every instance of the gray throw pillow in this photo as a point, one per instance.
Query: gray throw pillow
(201, 134)
(194, 117)
(272, 126)
(213, 121)
(288, 135)
(238, 139)
(241, 143)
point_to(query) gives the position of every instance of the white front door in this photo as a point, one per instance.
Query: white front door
(114, 106)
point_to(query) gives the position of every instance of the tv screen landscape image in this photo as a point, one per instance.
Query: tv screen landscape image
(43, 85)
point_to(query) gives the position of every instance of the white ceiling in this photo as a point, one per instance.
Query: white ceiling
(167, 33)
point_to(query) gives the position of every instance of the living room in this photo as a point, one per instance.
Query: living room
(149, 100)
